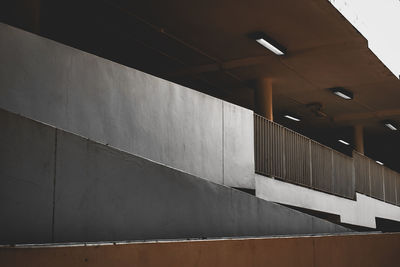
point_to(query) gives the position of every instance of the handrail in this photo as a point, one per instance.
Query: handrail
(375, 180)
(287, 155)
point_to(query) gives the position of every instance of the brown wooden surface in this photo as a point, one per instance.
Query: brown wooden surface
(323, 251)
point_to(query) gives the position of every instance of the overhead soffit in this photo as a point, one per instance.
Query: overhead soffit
(324, 50)
(205, 43)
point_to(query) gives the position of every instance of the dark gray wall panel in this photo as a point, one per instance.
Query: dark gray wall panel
(105, 194)
(26, 179)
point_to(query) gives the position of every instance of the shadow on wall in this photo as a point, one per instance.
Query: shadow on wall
(58, 187)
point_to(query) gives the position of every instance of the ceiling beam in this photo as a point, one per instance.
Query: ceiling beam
(367, 115)
(231, 64)
(266, 59)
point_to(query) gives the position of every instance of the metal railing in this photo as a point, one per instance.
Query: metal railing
(375, 180)
(284, 154)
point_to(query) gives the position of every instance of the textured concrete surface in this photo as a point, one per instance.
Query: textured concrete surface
(361, 212)
(238, 146)
(373, 250)
(104, 194)
(124, 108)
(26, 179)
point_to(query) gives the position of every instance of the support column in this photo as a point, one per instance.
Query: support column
(359, 138)
(24, 14)
(34, 6)
(263, 98)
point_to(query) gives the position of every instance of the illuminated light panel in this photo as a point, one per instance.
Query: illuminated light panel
(380, 163)
(270, 47)
(390, 126)
(342, 95)
(291, 118)
(344, 142)
(342, 92)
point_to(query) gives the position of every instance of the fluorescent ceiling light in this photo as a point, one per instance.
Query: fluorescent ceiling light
(270, 46)
(268, 43)
(344, 142)
(291, 118)
(391, 126)
(380, 163)
(343, 93)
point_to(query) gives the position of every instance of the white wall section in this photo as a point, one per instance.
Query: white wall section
(361, 212)
(238, 146)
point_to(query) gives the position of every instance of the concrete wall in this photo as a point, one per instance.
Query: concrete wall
(373, 250)
(57, 187)
(361, 212)
(125, 108)
(238, 146)
(26, 179)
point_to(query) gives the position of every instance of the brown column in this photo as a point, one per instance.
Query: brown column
(359, 138)
(35, 7)
(24, 14)
(263, 98)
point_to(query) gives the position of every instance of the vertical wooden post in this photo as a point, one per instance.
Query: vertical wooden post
(263, 98)
(359, 138)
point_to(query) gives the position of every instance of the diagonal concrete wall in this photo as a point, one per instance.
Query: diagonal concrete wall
(361, 212)
(125, 108)
(27, 157)
(99, 193)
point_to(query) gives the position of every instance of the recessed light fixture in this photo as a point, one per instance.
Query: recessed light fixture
(343, 93)
(344, 142)
(380, 163)
(390, 125)
(268, 43)
(291, 118)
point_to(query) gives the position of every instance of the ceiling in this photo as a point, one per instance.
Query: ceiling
(204, 45)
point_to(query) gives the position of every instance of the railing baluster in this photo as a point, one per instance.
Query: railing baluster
(287, 155)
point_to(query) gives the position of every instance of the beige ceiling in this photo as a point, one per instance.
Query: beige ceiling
(205, 45)
(324, 50)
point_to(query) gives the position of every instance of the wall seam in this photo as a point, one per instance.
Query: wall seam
(223, 144)
(54, 186)
(383, 185)
(313, 251)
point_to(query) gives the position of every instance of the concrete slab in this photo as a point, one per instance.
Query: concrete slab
(27, 151)
(110, 103)
(238, 148)
(361, 212)
(103, 194)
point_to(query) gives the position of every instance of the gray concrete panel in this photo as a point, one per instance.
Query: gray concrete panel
(238, 146)
(26, 179)
(105, 194)
(110, 103)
